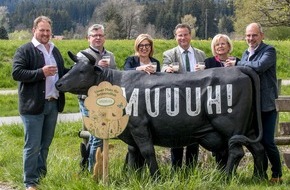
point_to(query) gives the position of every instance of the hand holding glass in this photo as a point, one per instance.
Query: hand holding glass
(175, 66)
(154, 65)
(106, 58)
(201, 65)
(231, 61)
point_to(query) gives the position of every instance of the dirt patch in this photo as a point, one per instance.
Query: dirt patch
(6, 186)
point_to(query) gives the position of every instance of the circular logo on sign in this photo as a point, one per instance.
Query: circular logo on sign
(105, 101)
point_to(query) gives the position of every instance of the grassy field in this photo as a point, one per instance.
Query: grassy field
(63, 161)
(125, 48)
(64, 172)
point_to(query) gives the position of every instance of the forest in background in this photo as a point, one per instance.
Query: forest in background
(125, 19)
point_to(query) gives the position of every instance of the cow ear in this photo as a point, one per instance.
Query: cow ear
(90, 57)
(72, 56)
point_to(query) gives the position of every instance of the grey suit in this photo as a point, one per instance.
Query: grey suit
(174, 55)
(191, 155)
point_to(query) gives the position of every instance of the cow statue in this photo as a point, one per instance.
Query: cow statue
(214, 108)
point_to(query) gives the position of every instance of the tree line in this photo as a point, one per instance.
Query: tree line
(125, 19)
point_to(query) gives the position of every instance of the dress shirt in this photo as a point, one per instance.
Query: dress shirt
(50, 90)
(191, 57)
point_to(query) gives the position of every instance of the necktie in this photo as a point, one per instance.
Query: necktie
(187, 61)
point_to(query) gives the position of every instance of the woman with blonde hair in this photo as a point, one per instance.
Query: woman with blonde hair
(143, 58)
(221, 47)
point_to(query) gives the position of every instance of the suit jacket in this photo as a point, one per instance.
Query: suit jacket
(133, 61)
(263, 61)
(174, 55)
(27, 70)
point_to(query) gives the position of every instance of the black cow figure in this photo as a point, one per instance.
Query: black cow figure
(214, 107)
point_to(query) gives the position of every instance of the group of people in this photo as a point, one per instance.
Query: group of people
(38, 64)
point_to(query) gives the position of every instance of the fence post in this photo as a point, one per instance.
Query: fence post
(279, 82)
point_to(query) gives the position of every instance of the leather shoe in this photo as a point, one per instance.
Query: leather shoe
(276, 180)
(31, 188)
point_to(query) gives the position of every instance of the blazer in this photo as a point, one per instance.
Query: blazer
(27, 70)
(174, 55)
(132, 62)
(263, 61)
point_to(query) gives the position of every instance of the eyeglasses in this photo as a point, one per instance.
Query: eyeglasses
(97, 35)
(144, 45)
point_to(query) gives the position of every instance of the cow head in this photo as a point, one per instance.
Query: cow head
(81, 76)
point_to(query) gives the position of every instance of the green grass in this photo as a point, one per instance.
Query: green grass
(9, 104)
(124, 48)
(64, 172)
(64, 156)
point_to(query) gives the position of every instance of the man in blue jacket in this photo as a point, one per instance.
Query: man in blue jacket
(262, 58)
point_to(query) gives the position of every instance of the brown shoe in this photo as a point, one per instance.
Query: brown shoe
(277, 180)
(31, 188)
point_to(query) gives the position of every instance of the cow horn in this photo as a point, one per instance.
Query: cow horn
(72, 56)
(90, 57)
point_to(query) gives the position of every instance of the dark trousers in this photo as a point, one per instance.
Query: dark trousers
(191, 155)
(272, 152)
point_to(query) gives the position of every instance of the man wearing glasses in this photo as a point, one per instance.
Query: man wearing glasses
(262, 58)
(104, 59)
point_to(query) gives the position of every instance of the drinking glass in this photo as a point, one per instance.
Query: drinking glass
(175, 67)
(107, 58)
(201, 65)
(154, 65)
(232, 60)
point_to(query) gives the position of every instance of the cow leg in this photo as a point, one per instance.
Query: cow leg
(143, 139)
(176, 157)
(217, 144)
(221, 158)
(191, 155)
(236, 153)
(258, 152)
(134, 159)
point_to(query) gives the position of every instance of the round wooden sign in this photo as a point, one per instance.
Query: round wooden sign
(106, 105)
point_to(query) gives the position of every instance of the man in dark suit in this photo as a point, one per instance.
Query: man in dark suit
(262, 58)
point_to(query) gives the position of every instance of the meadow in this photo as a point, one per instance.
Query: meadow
(64, 171)
(63, 160)
(125, 48)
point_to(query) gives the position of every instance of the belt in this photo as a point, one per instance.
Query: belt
(51, 99)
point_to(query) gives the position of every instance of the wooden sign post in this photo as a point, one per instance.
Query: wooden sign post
(106, 105)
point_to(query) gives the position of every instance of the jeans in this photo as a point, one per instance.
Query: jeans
(38, 135)
(94, 141)
(268, 141)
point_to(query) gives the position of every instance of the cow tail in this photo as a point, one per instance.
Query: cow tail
(242, 139)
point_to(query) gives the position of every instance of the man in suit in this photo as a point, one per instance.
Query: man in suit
(262, 58)
(187, 56)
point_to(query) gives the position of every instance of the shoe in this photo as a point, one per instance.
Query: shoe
(276, 180)
(31, 188)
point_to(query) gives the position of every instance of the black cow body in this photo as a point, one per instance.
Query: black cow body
(211, 107)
